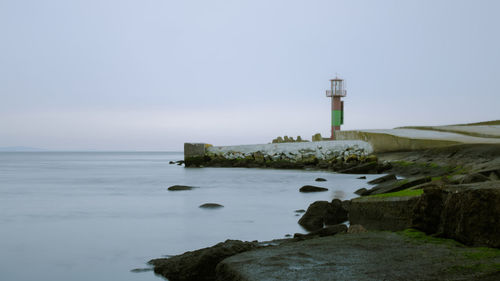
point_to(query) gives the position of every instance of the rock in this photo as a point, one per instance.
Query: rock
(356, 228)
(364, 256)
(300, 211)
(320, 179)
(391, 213)
(288, 235)
(330, 230)
(468, 213)
(322, 213)
(382, 179)
(393, 186)
(180, 187)
(361, 178)
(326, 231)
(493, 176)
(171, 162)
(366, 168)
(472, 178)
(427, 211)
(211, 206)
(138, 270)
(361, 191)
(199, 265)
(456, 179)
(311, 188)
(317, 137)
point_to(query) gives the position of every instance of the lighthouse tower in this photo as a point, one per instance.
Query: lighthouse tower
(337, 92)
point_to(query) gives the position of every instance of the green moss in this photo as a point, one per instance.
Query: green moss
(421, 237)
(433, 165)
(483, 253)
(477, 267)
(403, 163)
(436, 178)
(480, 260)
(402, 193)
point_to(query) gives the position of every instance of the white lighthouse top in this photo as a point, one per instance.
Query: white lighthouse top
(337, 88)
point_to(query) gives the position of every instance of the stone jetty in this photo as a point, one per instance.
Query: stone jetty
(333, 155)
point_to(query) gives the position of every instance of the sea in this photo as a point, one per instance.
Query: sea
(100, 215)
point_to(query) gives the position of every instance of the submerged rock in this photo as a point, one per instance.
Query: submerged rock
(361, 178)
(320, 179)
(180, 187)
(211, 206)
(312, 188)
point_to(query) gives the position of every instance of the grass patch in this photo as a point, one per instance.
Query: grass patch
(401, 193)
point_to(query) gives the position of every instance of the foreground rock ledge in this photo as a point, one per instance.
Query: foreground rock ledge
(362, 256)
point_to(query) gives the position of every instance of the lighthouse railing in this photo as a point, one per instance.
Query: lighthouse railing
(338, 93)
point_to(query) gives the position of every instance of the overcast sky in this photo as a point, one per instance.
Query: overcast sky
(153, 74)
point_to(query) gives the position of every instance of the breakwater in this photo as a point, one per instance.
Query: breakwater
(332, 155)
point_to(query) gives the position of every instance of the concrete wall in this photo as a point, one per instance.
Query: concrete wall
(386, 143)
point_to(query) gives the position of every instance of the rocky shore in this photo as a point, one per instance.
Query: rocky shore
(436, 214)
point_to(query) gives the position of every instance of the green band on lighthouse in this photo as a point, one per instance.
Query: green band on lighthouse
(337, 117)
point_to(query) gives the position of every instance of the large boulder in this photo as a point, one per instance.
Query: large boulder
(382, 213)
(467, 213)
(199, 265)
(322, 213)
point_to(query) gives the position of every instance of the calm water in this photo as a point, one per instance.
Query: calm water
(96, 216)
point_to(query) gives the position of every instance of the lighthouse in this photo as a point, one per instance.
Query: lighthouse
(337, 92)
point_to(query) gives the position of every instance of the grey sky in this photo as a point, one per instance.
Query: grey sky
(151, 74)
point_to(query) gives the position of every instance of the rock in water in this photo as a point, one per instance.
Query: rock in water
(320, 179)
(320, 213)
(312, 188)
(211, 206)
(361, 178)
(199, 265)
(329, 230)
(180, 187)
(382, 179)
(361, 191)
